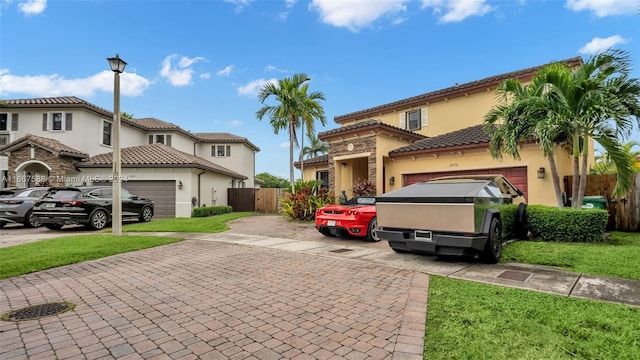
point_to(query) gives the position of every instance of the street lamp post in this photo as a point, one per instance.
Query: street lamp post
(117, 66)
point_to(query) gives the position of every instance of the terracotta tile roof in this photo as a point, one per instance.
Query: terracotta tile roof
(372, 124)
(157, 155)
(318, 160)
(155, 124)
(449, 92)
(212, 137)
(52, 145)
(466, 137)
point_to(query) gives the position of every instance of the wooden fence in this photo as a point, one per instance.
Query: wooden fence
(268, 200)
(242, 199)
(624, 211)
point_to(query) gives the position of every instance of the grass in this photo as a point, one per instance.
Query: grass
(617, 257)
(212, 224)
(46, 254)
(467, 320)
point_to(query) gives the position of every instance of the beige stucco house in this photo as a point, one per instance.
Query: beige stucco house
(434, 134)
(68, 141)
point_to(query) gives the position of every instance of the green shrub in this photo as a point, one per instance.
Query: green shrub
(567, 224)
(309, 196)
(508, 215)
(206, 211)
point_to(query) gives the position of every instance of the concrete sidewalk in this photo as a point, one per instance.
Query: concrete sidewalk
(522, 276)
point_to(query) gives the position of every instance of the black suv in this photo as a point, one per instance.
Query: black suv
(89, 206)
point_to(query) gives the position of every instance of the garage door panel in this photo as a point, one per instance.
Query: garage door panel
(517, 176)
(162, 192)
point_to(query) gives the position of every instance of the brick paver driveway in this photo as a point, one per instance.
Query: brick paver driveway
(208, 300)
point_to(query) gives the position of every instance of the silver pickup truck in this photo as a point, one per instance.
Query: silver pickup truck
(455, 215)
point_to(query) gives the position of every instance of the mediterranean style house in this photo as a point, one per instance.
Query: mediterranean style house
(68, 141)
(430, 135)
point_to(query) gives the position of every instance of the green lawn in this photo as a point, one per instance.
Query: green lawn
(618, 257)
(212, 224)
(467, 320)
(46, 254)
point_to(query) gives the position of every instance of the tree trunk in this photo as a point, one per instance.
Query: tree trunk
(301, 148)
(556, 180)
(583, 174)
(293, 189)
(576, 174)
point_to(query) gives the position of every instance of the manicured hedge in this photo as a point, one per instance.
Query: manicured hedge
(567, 224)
(210, 211)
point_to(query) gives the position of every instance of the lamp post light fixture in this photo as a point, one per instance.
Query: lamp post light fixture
(541, 173)
(117, 66)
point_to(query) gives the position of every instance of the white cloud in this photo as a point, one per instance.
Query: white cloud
(284, 145)
(226, 71)
(32, 7)
(205, 76)
(457, 10)
(56, 85)
(240, 4)
(604, 8)
(236, 123)
(598, 45)
(182, 73)
(274, 68)
(253, 87)
(356, 14)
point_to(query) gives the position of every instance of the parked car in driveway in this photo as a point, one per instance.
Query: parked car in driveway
(355, 218)
(16, 206)
(90, 206)
(456, 215)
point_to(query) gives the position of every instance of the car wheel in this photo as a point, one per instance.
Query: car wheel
(326, 232)
(371, 230)
(53, 226)
(520, 230)
(98, 220)
(31, 221)
(493, 249)
(146, 214)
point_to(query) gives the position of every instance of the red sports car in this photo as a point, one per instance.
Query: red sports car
(355, 218)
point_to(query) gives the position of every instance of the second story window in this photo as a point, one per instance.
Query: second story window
(4, 119)
(160, 139)
(221, 150)
(57, 121)
(4, 122)
(106, 133)
(413, 120)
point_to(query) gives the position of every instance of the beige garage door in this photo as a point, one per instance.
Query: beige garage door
(162, 192)
(516, 175)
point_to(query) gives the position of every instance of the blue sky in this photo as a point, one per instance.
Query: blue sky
(199, 64)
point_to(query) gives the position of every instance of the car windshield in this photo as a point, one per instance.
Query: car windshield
(366, 200)
(56, 194)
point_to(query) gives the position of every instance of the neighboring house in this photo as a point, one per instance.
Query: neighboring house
(430, 135)
(68, 141)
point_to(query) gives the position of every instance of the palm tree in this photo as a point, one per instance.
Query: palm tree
(295, 104)
(315, 149)
(597, 100)
(520, 116)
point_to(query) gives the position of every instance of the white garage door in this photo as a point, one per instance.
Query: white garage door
(162, 192)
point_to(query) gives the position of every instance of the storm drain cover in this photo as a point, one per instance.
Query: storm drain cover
(514, 275)
(38, 311)
(338, 251)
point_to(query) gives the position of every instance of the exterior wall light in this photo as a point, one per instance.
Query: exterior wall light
(541, 173)
(392, 180)
(180, 184)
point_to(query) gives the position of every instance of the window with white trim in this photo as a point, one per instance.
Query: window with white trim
(57, 121)
(160, 139)
(107, 133)
(221, 150)
(6, 126)
(414, 119)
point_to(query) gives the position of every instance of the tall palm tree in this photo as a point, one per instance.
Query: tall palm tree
(597, 100)
(295, 105)
(604, 164)
(309, 119)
